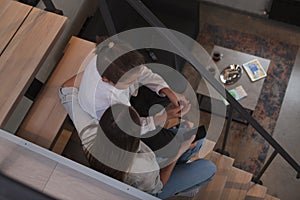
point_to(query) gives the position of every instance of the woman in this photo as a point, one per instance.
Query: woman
(113, 147)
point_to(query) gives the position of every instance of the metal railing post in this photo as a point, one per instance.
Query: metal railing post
(257, 178)
(229, 119)
(50, 7)
(107, 18)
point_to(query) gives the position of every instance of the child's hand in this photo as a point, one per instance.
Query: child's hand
(170, 113)
(178, 111)
(174, 97)
(174, 112)
(182, 100)
(171, 95)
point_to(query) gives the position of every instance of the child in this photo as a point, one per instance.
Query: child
(103, 86)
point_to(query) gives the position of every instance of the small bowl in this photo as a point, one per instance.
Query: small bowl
(217, 56)
(231, 74)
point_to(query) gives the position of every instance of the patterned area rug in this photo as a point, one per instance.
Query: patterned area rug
(245, 145)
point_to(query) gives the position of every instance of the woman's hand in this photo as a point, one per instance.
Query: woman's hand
(166, 172)
(187, 144)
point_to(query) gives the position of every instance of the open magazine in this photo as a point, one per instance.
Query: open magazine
(238, 93)
(254, 70)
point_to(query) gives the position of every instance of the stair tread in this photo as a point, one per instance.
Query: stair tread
(230, 182)
(205, 150)
(213, 190)
(256, 191)
(223, 163)
(62, 141)
(237, 184)
(270, 197)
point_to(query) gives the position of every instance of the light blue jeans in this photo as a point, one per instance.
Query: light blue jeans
(188, 176)
(186, 156)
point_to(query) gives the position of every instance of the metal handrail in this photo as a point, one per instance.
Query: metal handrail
(50, 7)
(154, 21)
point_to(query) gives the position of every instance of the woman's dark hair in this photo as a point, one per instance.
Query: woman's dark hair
(116, 68)
(121, 125)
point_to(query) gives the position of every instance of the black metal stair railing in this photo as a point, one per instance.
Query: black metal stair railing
(50, 7)
(234, 104)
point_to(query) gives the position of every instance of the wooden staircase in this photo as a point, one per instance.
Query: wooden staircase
(229, 183)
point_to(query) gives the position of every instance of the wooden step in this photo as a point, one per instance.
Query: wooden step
(62, 141)
(205, 150)
(269, 197)
(256, 192)
(214, 189)
(223, 163)
(237, 184)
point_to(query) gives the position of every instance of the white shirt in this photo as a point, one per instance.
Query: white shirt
(95, 95)
(144, 171)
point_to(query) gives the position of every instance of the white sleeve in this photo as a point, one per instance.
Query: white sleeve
(69, 99)
(150, 182)
(152, 80)
(147, 124)
(145, 172)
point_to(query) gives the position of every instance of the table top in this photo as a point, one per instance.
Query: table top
(253, 89)
(26, 37)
